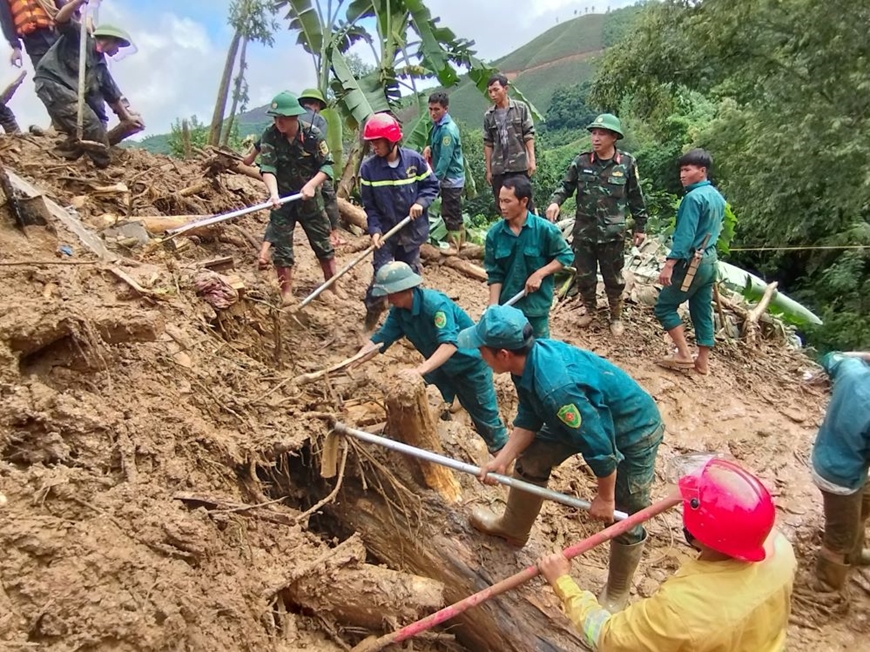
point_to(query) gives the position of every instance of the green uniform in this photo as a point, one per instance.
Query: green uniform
(606, 191)
(434, 320)
(294, 164)
(510, 259)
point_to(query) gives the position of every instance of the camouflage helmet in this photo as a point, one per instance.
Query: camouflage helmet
(117, 33)
(607, 121)
(395, 277)
(313, 94)
(285, 104)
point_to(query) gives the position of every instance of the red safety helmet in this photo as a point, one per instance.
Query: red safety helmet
(728, 509)
(382, 125)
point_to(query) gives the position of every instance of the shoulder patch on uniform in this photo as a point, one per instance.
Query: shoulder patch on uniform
(445, 140)
(324, 148)
(440, 319)
(570, 415)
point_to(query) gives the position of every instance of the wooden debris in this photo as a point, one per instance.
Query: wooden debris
(218, 505)
(431, 254)
(9, 91)
(352, 214)
(751, 329)
(221, 262)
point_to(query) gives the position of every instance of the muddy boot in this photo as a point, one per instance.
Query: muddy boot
(8, 122)
(285, 282)
(373, 314)
(515, 524)
(831, 574)
(623, 562)
(329, 267)
(454, 243)
(590, 302)
(616, 327)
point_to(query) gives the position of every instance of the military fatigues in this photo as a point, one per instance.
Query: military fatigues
(606, 190)
(510, 259)
(507, 131)
(330, 201)
(701, 212)
(577, 402)
(434, 320)
(294, 164)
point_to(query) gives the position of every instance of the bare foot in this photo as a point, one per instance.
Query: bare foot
(702, 369)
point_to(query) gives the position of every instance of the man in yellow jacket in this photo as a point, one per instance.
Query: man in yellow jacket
(734, 597)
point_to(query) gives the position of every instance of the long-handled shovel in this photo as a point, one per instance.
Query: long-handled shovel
(214, 219)
(456, 465)
(512, 582)
(344, 270)
(519, 295)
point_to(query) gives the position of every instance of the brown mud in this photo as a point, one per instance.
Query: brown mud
(163, 494)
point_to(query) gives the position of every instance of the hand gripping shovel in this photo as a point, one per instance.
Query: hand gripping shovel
(375, 644)
(215, 219)
(344, 270)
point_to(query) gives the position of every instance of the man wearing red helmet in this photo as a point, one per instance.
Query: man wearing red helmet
(745, 565)
(394, 183)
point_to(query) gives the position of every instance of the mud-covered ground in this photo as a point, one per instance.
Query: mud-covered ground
(134, 427)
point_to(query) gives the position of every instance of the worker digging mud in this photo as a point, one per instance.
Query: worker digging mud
(840, 463)
(294, 158)
(431, 321)
(56, 80)
(523, 251)
(734, 597)
(394, 183)
(699, 223)
(570, 401)
(607, 186)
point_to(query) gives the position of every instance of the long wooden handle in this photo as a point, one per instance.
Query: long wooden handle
(310, 377)
(83, 57)
(516, 580)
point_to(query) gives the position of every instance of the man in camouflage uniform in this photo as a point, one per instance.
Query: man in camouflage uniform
(313, 102)
(508, 138)
(607, 186)
(294, 158)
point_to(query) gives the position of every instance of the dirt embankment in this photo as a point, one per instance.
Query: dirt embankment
(159, 481)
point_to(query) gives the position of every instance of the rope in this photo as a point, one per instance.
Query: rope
(797, 248)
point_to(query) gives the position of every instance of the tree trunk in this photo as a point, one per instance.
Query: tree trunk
(352, 214)
(351, 170)
(237, 93)
(220, 105)
(185, 139)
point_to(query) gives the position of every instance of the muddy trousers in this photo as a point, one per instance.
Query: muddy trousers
(330, 204)
(540, 326)
(634, 474)
(700, 298)
(845, 520)
(282, 224)
(62, 105)
(588, 258)
(8, 121)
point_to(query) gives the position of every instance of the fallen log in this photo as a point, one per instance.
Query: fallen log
(9, 91)
(431, 254)
(410, 420)
(160, 224)
(472, 252)
(751, 329)
(352, 215)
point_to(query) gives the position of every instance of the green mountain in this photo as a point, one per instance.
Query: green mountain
(562, 56)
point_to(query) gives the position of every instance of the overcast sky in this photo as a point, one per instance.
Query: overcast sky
(181, 47)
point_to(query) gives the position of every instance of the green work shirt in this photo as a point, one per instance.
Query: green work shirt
(507, 133)
(701, 211)
(575, 397)
(294, 163)
(433, 320)
(446, 145)
(510, 259)
(606, 191)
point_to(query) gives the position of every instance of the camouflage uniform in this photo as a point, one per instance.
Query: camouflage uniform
(605, 190)
(295, 164)
(508, 142)
(330, 201)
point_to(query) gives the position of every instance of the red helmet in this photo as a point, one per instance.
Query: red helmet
(382, 125)
(727, 509)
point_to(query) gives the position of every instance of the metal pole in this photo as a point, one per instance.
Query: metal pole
(344, 270)
(171, 233)
(83, 57)
(456, 465)
(519, 295)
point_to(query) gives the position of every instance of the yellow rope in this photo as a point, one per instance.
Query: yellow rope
(798, 248)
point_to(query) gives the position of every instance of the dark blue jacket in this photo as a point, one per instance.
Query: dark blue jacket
(388, 193)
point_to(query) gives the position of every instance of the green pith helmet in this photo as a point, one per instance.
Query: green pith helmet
(285, 104)
(313, 94)
(115, 32)
(607, 121)
(395, 277)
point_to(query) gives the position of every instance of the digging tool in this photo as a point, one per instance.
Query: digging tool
(361, 356)
(215, 219)
(344, 270)
(519, 295)
(512, 582)
(456, 465)
(693, 264)
(83, 55)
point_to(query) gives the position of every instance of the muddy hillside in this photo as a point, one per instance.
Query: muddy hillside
(160, 446)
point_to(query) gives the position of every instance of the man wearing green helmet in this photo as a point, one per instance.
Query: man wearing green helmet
(607, 186)
(313, 102)
(294, 158)
(56, 81)
(431, 321)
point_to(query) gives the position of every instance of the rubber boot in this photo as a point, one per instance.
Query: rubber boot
(334, 292)
(8, 122)
(454, 243)
(616, 327)
(461, 243)
(373, 314)
(623, 562)
(516, 523)
(590, 302)
(285, 282)
(831, 574)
